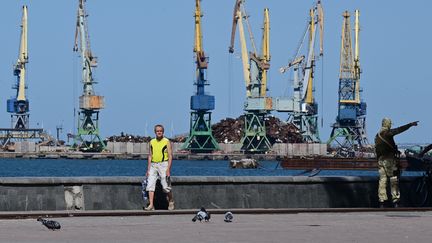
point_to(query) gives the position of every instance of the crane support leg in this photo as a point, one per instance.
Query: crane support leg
(255, 136)
(88, 138)
(349, 140)
(20, 121)
(308, 125)
(200, 138)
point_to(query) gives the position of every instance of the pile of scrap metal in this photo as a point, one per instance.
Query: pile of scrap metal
(128, 138)
(179, 138)
(230, 130)
(244, 164)
(282, 132)
(124, 138)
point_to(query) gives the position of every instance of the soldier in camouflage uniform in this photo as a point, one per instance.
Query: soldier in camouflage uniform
(388, 160)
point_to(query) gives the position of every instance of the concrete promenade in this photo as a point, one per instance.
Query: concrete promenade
(394, 226)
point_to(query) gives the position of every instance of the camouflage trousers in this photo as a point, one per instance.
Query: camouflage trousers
(388, 169)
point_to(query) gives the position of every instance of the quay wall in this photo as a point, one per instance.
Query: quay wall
(124, 193)
(284, 149)
(129, 150)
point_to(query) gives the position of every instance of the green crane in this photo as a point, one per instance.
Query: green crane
(88, 138)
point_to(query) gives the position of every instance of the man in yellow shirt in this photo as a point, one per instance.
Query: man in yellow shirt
(159, 164)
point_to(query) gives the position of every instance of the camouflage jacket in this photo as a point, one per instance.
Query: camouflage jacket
(388, 148)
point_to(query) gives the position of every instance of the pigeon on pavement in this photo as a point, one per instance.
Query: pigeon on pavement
(201, 215)
(228, 217)
(50, 224)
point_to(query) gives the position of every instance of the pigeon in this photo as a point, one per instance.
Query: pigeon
(228, 217)
(202, 215)
(50, 224)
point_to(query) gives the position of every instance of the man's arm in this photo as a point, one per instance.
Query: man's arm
(149, 159)
(170, 156)
(402, 129)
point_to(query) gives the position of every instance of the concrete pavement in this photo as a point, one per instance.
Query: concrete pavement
(395, 226)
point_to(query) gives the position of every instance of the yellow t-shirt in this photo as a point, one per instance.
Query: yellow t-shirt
(159, 150)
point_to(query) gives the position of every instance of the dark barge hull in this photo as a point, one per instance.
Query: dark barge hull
(334, 163)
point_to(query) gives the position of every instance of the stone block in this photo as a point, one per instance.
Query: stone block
(144, 148)
(137, 148)
(129, 147)
(34, 197)
(110, 146)
(112, 197)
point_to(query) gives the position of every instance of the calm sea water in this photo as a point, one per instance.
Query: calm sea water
(72, 168)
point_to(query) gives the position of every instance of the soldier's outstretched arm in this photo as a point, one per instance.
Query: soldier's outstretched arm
(403, 128)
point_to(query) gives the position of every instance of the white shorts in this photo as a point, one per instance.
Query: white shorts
(158, 170)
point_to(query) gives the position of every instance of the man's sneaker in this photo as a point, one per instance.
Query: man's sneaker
(149, 208)
(396, 205)
(381, 205)
(171, 205)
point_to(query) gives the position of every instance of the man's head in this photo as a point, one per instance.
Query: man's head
(159, 131)
(386, 123)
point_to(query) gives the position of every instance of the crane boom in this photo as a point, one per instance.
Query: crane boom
(82, 44)
(357, 69)
(307, 93)
(265, 52)
(255, 65)
(201, 59)
(320, 10)
(237, 20)
(351, 92)
(234, 25)
(198, 33)
(304, 89)
(20, 67)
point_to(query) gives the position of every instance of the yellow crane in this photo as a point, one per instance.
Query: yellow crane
(348, 134)
(22, 58)
(200, 137)
(255, 66)
(19, 105)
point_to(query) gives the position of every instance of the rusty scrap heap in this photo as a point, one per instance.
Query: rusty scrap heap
(230, 130)
(128, 138)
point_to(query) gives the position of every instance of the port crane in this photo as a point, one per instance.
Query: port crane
(303, 108)
(18, 106)
(200, 134)
(255, 66)
(87, 138)
(348, 135)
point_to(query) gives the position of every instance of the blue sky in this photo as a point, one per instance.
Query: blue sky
(146, 67)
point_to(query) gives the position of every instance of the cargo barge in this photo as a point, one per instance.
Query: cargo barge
(334, 163)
